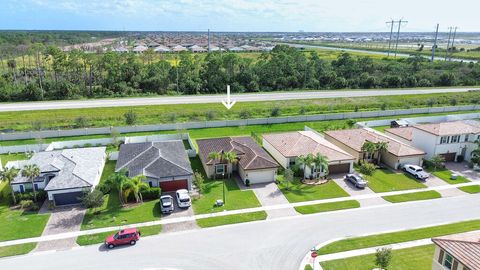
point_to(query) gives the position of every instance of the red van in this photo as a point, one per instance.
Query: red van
(123, 237)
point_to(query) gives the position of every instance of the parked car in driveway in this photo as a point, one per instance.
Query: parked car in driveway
(356, 180)
(123, 237)
(166, 204)
(183, 199)
(416, 171)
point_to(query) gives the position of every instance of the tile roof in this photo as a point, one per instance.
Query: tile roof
(402, 132)
(294, 144)
(251, 155)
(154, 159)
(355, 138)
(451, 128)
(74, 168)
(464, 247)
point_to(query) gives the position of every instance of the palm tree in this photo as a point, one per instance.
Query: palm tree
(216, 157)
(321, 163)
(31, 171)
(305, 161)
(134, 185)
(230, 158)
(117, 180)
(368, 147)
(8, 175)
(380, 147)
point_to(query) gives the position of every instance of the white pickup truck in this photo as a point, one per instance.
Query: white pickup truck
(416, 171)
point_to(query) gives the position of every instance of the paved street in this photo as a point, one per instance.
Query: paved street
(271, 244)
(72, 104)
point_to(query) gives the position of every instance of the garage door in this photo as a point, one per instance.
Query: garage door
(174, 185)
(68, 198)
(449, 156)
(339, 168)
(264, 176)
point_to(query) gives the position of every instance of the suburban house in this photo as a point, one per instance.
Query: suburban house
(457, 252)
(397, 153)
(287, 147)
(254, 163)
(448, 139)
(64, 174)
(165, 164)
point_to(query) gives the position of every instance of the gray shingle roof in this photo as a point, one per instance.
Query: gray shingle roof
(74, 168)
(154, 159)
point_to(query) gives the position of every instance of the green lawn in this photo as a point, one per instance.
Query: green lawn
(108, 170)
(235, 198)
(385, 180)
(11, 157)
(325, 207)
(398, 237)
(416, 258)
(299, 192)
(18, 224)
(445, 175)
(415, 196)
(17, 249)
(91, 239)
(381, 128)
(470, 189)
(231, 219)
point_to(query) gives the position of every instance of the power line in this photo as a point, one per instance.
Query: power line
(453, 41)
(448, 42)
(391, 33)
(398, 35)
(392, 23)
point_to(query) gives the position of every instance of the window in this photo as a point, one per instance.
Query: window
(292, 162)
(220, 169)
(448, 262)
(150, 184)
(455, 139)
(444, 139)
(466, 137)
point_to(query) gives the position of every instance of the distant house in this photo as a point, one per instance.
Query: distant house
(197, 49)
(236, 49)
(178, 48)
(352, 140)
(164, 164)
(140, 49)
(64, 174)
(287, 147)
(120, 50)
(162, 49)
(254, 163)
(457, 252)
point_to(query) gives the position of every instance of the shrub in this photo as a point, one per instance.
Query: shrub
(199, 181)
(87, 145)
(383, 256)
(383, 107)
(350, 122)
(130, 118)
(453, 101)
(81, 122)
(210, 115)
(152, 193)
(37, 125)
(244, 114)
(303, 110)
(172, 117)
(275, 112)
(104, 188)
(93, 199)
(41, 196)
(367, 168)
(28, 205)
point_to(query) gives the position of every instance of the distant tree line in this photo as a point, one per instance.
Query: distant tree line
(48, 73)
(8, 39)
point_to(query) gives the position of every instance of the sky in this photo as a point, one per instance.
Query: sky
(238, 15)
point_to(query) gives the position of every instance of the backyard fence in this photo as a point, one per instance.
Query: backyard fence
(421, 119)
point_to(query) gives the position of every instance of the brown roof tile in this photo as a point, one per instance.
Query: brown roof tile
(402, 132)
(464, 247)
(451, 128)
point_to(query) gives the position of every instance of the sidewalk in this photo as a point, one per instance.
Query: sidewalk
(232, 212)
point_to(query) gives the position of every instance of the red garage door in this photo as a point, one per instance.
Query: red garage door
(174, 185)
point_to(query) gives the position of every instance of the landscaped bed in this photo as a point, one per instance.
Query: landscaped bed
(385, 180)
(325, 207)
(231, 219)
(415, 196)
(299, 192)
(416, 258)
(91, 239)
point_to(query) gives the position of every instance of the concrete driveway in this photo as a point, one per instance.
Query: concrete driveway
(179, 212)
(270, 194)
(354, 191)
(434, 181)
(62, 219)
(463, 169)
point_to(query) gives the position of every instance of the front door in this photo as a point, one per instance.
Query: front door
(22, 189)
(35, 187)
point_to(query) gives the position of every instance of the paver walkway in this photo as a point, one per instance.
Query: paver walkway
(353, 191)
(62, 220)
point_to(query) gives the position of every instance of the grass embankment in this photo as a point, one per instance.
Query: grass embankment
(299, 192)
(154, 114)
(98, 238)
(398, 237)
(231, 219)
(326, 207)
(415, 196)
(385, 180)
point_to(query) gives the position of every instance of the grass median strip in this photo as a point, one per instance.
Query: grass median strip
(325, 207)
(231, 219)
(415, 196)
(98, 238)
(470, 189)
(398, 237)
(402, 259)
(17, 249)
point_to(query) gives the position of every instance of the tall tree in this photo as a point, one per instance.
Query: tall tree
(31, 171)
(231, 159)
(116, 181)
(216, 157)
(369, 148)
(305, 161)
(134, 186)
(8, 175)
(380, 147)
(321, 163)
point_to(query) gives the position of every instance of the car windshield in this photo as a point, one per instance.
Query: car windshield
(115, 236)
(419, 170)
(166, 201)
(184, 199)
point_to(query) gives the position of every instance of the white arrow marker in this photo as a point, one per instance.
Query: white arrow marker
(228, 103)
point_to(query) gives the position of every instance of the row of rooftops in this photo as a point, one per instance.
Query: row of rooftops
(450, 128)
(193, 48)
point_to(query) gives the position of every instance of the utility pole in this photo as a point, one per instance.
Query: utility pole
(398, 35)
(448, 42)
(453, 41)
(434, 44)
(390, 39)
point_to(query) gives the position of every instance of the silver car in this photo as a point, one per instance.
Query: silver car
(166, 204)
(356, 180)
